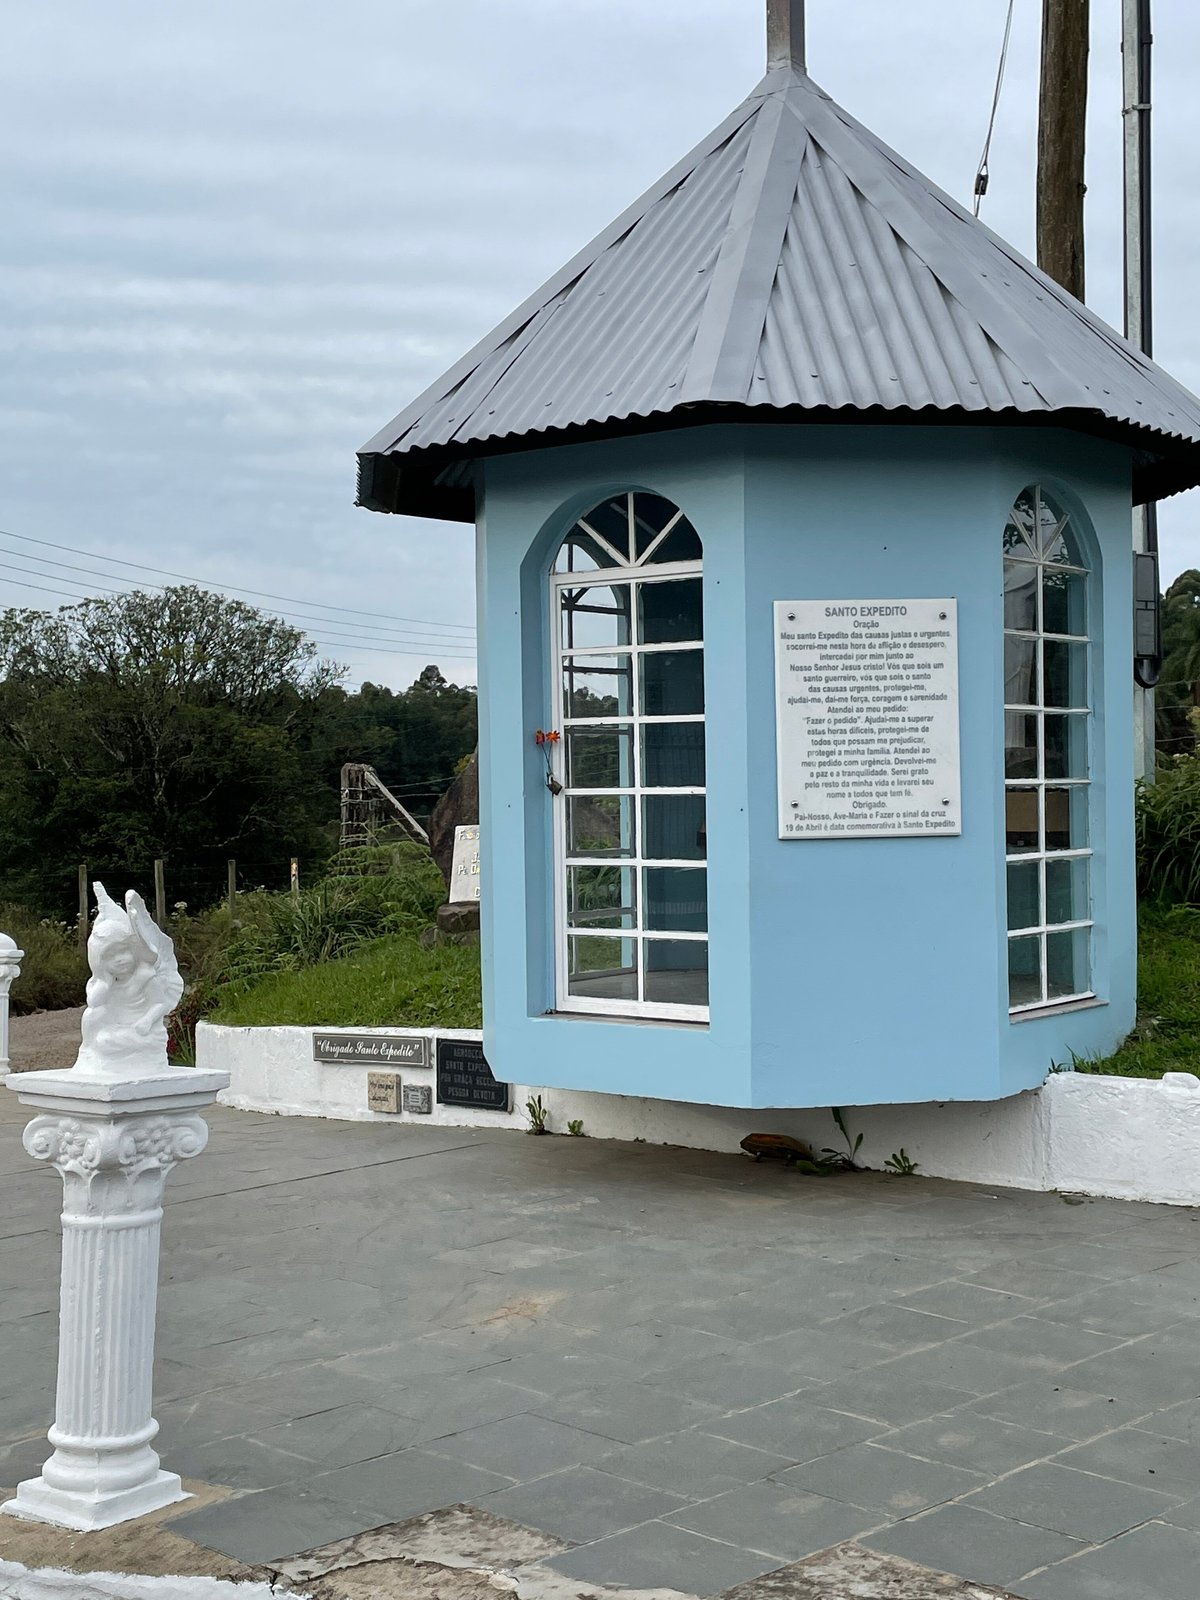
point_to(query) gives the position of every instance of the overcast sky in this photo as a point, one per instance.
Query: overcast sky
(240, 236)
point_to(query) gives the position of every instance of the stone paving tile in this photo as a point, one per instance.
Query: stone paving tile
(975, 1544)
(1072, 1413)
(797, 1428)
(730, 1383)
(1140, 1456)
(660, 1556)
(1102, 1310)
(897, 1327)
(256, 1528)
(966, 1302)
(581, 1504)
(694, 1464)
(966, 1439)
(342, 1435)
(523, 1447)
(239, 1462)
(779, 1519)
(1051, 1346)
(882, 1479)
(22, 1459)
(958, 1365)
(879, 1394)
(817, 1354)
(1162, 1378)
(1080, 1504)
(629, 1412)
(1155, 1562)
(1035, 1280)
(404, 1485)
(1177, 1422)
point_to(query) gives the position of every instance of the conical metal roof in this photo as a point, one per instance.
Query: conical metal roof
(795, 267)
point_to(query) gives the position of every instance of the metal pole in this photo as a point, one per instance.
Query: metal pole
(785, 34)
(1136, 42)
(231, 888)
(160, 891)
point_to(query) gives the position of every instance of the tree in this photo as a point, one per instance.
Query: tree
(180, 724)
(1176, 696)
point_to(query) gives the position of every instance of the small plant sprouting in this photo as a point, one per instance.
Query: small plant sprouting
(537, 1114)
(575, 1128)
(843, 1158)
(900, 1163)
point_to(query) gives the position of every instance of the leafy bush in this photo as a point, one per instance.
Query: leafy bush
(54, 972)
(1168, 833)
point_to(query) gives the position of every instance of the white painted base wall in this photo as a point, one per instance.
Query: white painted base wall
(1128, 1138)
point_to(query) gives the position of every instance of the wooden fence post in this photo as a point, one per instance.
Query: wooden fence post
(160, 892)
(231, 891)
(295, 877)
(83, 905)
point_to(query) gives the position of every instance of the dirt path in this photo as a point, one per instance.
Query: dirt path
(44, 1039)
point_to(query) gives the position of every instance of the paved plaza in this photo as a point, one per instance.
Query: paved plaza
(681, 1370)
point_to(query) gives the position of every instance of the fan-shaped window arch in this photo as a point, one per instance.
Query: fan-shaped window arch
(1047, 728)
(631, 834)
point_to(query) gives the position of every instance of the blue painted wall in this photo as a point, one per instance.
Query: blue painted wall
(843, 971)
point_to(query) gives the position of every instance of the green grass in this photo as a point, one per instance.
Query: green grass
(390, 982)
(1167, 1036)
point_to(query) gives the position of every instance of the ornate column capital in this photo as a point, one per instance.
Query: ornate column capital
(87, 1146)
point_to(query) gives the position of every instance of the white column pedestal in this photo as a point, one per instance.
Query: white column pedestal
(114, 1143)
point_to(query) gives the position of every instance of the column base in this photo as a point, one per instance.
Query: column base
(36, 1501)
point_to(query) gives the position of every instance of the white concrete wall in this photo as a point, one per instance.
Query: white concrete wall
(1129, 1138)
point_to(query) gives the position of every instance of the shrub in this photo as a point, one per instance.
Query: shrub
(54, 972)
(1168, 833)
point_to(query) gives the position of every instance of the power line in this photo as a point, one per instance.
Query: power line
(264, 594)
(431, 640)
(982, 174)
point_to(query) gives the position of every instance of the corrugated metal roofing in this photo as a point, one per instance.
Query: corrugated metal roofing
(792, 264)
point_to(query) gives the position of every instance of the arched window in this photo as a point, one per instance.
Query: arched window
(1047, 719)
(631, 843)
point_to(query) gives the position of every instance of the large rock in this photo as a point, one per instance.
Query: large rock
(458, 807)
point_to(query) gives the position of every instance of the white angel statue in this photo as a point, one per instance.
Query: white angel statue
(135, 985)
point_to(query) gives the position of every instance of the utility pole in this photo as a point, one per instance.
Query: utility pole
(1139, 329)
(1062, 127)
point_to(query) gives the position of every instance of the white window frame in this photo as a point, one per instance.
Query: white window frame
(634, 575)
(1040, 783)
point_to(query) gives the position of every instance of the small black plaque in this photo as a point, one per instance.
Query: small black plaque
(465, 1079)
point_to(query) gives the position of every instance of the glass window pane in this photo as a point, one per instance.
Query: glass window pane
(579, 552)
(595, 617)
(1020, 596)
(651, 514)
(673, 683)
(599, 758)
(601, 897)
(1068, 963)
(600, 825)
(1018, 530)
(670, 612)
(1020, 671)
(1024, 895)
(598, 686)
(673, 827)
(1066, 746)
(1066, 819)
(676, 971)
(1064, 601)
(1020, 821)
(1067, 890)
(1065, 667)
(673, 755)
(599, 968)
(676, 899)
(1025, 971)
(681, 544)
(610, 519)
(1020, 744)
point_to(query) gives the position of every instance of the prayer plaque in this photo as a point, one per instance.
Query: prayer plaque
(866, 716)
(383, 1091)
(376, 1049)
(417, 1099)
(465, 1079)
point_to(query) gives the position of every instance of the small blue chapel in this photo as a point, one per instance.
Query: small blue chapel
(803, 509)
